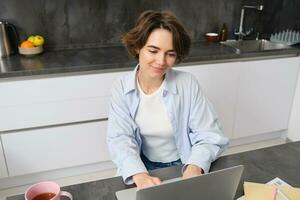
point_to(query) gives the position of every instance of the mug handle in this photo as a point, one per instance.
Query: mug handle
(67, 194)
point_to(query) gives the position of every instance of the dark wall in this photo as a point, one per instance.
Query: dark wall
(79, 23)
(281, 15)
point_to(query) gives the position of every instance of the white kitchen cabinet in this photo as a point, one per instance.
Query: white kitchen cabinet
(250, 97)
(58, 100)
(294, 125)
(46, 149)
(265, 96)
(220, 84)
(3, 171)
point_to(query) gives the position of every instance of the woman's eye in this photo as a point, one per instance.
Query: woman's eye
(172, 54)
(153, 51)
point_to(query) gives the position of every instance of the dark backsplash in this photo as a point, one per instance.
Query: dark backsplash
(88, 23)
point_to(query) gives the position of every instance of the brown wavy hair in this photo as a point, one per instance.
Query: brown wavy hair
(137, 37)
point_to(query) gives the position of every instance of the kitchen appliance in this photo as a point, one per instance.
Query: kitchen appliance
(8, 39)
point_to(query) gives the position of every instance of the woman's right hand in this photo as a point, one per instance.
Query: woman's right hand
(143, 180)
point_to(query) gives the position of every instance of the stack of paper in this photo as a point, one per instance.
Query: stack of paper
(258, 191)
(276, 182)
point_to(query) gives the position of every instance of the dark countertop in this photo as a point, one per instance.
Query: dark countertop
(115, 58)
(261, 166)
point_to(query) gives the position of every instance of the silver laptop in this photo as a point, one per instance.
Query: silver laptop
(217, 185)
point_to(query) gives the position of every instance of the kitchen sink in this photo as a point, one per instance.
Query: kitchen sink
(254, 45)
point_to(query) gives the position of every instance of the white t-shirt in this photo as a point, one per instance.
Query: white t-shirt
(156, 129)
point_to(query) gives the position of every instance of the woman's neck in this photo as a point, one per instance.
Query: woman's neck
(148, 84)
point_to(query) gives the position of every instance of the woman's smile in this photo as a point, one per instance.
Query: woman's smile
(158, 69)
(158, 55)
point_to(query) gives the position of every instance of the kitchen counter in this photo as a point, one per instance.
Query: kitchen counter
(115, 58)
(261, 166)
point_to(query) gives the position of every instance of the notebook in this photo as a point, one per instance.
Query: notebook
(217, 185)
(258, 191)
(275, 181)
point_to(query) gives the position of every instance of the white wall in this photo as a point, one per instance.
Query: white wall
(294, 124)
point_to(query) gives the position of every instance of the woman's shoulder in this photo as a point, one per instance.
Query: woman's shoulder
(124, 81)
(124, 77)
(182, 76)
(185, 81)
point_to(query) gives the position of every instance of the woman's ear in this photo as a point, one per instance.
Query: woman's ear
(137, 51)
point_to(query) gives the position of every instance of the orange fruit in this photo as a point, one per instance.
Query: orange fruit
(27, 44)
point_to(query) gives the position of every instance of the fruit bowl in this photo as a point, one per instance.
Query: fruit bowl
(31, 51)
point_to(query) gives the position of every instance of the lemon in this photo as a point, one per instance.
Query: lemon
(30, 38)
(38, 40)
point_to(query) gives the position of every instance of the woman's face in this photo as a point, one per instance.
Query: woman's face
(158, 55)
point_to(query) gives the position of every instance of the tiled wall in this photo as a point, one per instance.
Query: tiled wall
(71, 23)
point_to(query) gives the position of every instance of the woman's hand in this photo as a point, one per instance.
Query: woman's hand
(143, 180)
(192, 170)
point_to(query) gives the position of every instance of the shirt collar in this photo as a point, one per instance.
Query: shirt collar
(170, 81)
(130, 83)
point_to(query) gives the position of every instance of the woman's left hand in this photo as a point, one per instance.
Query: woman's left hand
(192, 170)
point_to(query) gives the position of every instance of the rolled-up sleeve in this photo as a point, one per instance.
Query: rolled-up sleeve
(121, 136)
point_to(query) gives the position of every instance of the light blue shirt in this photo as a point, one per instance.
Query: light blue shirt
(198, 135)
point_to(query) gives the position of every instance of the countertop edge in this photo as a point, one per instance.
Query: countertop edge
(107, 68)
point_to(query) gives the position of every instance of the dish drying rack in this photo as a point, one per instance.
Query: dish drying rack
(289, 37)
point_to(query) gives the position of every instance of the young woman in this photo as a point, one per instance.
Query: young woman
(159, 117)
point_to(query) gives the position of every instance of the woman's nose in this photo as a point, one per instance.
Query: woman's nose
(161, 59)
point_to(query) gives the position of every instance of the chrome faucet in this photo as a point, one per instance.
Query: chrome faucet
(241, 33)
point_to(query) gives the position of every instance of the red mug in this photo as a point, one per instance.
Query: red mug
(212, 37)
(45, 191)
